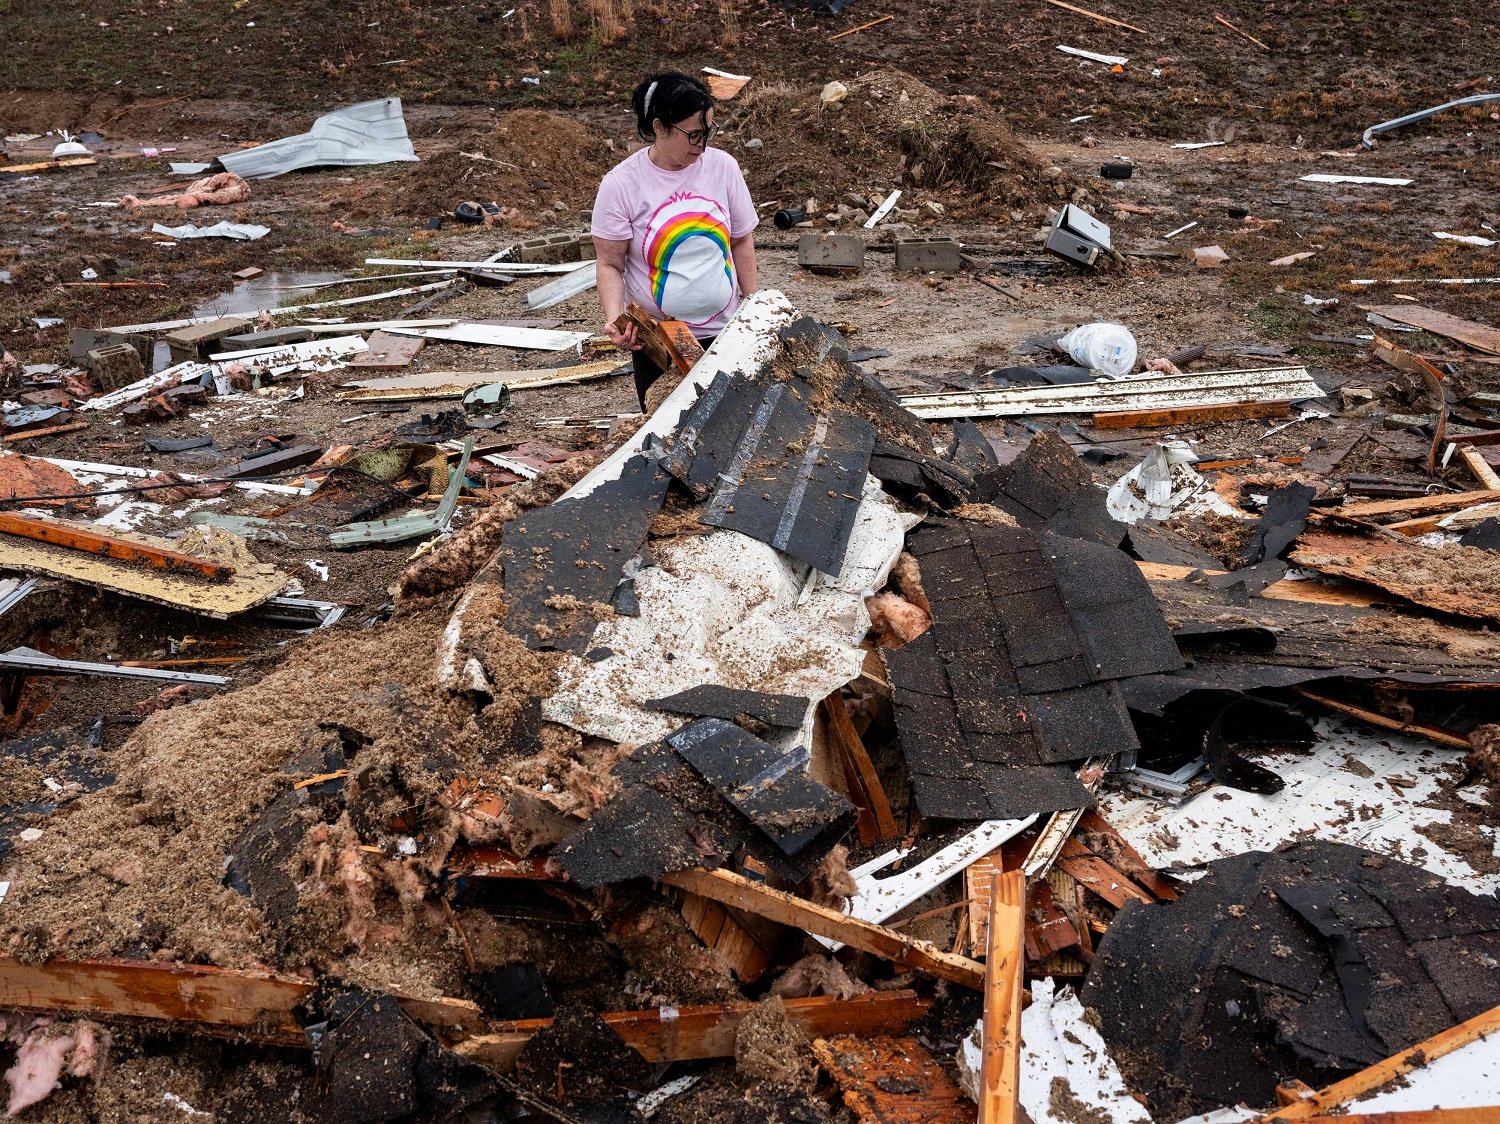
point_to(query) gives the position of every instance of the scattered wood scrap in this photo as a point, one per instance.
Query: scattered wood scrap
(1442, 580)
(892, 1081)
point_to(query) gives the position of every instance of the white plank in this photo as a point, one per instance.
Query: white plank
(188, 322)
(488, 266)
(495, 335)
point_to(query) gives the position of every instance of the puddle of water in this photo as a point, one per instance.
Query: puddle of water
(266, 291)
(269, 290)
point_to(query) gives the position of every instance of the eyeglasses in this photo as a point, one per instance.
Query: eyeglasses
(698, 138)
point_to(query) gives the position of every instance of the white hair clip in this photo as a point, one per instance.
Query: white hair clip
(646, 105)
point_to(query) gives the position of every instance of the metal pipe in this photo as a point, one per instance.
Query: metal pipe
(1412, 118)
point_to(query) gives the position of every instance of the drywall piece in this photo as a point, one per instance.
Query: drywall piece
(880, 898)
(1138, 392)
(1060, 1044)
(734, 612)
(795, 480)
(1337, 791)
(565, 287)
(252, 582)
(746, 342)
(372, 132)
(536, 339)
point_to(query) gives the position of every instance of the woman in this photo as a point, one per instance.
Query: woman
(673, 222)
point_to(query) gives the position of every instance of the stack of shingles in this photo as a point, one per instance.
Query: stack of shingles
(1034, 624)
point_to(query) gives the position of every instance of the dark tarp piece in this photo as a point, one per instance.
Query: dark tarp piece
(712, 701)
(1284, 519)
(796, 480)
(576, 549)
(1284, 966)
(1047, 488)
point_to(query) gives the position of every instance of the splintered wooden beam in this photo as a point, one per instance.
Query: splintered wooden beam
(1190, 415)
(1383, 1073)
(255, 1005)
(1000, 1066)
(1385, 722)
(688, 1033)
(753, 897)
(865, 784)
(1418, 505)
(670, 344)
(1479, 467)
(76, 537)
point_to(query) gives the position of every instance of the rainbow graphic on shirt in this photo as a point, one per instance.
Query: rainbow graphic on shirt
(676, 233)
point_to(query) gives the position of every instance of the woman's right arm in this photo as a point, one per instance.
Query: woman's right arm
(611, 274)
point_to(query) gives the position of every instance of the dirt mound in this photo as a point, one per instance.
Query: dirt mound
(891, 130)
(529, 160)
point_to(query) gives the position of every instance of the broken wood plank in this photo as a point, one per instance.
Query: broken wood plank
(1398, 567)
(1479, 467)
(892, 1081)
(76, 536)
(1221, 20)
(753, 897)
(50, 165)
(1418, 505)
(1097, 875)
(851, 749)
(1375, 718)
(256, 1005)
(1357, 594)
(979, 881)
(861, 27)
(1000, 1067)
(1096, 16)
(387, 352)
(670, 344)
(1481, 337)
(1384, 1072)
(748, 944)
(50, 431)
(688, 1033)
(496, 862)
(1126, 858)
(1190, 415)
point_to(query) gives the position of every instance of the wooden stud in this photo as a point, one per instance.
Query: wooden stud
(255, 1005)
(1000, 1068)
(1418, 505)
(1383, 1073)
(777, 905)
(1479, 467)
(851, 749)
(75, 536)
(689, 1033)
(1095, 16)
(1190, 415)
(1375, 718)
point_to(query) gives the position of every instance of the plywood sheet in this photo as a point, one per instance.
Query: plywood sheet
(253, 581)
(1481, 337)
(1452, 580)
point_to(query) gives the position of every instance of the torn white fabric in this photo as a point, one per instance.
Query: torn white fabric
(1165, 485)
(240, 231)
(1339, 792)
(724, 609)
(1063, 1062)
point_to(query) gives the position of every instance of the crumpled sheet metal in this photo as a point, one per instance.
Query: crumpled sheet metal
(1337, 792)
(1165, 485)
(372, 132)
(1058, 1043)
(733, 612)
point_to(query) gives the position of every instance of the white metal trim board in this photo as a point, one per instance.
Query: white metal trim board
(1142, 392)
(536, 339)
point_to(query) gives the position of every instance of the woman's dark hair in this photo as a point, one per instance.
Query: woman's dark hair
(669, 98)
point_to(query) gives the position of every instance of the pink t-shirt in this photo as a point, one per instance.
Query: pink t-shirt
(679, 225)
